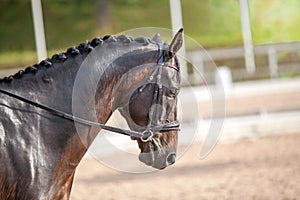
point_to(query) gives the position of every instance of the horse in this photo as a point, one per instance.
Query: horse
(40, 144)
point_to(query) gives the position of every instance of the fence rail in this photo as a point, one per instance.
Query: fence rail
(268, 62)
(238, 52)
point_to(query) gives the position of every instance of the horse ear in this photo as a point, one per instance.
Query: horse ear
(176, 43)
(157, 38)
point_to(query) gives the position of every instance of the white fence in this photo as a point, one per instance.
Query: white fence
(272, 67)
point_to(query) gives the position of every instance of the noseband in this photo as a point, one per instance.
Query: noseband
(146, 135)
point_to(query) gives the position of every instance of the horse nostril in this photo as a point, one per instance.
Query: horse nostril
(171, 158)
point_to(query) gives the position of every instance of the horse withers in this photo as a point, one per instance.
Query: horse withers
(39, 141)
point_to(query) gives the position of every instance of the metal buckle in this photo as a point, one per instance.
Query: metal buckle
(149, 136)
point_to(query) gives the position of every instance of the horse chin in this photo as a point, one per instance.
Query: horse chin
(155, 157)
(147, 158)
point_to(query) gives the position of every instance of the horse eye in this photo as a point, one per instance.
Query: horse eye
(172, 92)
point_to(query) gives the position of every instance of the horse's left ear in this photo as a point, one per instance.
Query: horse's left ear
(157, 38)
(176, 43)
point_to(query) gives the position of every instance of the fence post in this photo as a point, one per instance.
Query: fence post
(223, 79)
(247, 36)
(273, 65)
(39, 32)
(176, 21)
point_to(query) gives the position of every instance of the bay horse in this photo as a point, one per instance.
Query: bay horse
(39, 141)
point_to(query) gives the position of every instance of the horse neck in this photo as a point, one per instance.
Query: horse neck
(51, 86)
(54, 87)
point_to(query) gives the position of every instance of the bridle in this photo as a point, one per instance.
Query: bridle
(152, 128)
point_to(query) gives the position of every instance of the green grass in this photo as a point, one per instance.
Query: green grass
(212, 23)
(17, 59)
(275, 20)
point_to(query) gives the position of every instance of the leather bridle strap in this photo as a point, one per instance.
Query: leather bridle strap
(157, 95)
(67, 116)
(135, 134)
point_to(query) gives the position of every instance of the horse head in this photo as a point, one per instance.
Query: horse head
(153, 103)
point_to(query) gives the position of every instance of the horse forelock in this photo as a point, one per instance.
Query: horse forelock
(72, 52)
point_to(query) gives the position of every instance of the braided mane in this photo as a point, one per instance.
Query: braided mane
(72, 52)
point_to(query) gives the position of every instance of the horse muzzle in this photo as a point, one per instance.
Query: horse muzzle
(157, 157)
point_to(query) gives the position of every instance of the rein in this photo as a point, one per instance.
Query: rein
(145, 136)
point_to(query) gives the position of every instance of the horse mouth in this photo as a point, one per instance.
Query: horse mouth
(157, 156)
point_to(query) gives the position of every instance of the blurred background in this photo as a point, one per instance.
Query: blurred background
(258, 154)
(214, 24)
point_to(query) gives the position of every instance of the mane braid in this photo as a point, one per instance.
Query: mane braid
(82, 48)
